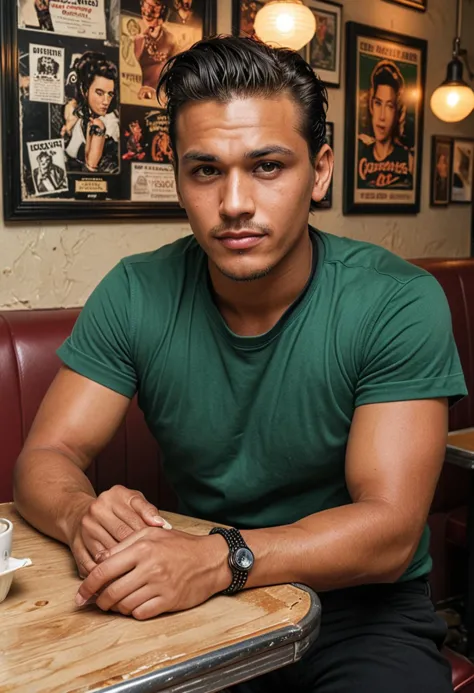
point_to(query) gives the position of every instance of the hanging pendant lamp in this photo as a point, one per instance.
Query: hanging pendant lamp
(285, 23)
(453, 100)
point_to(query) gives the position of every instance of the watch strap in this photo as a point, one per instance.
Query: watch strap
(234, 541)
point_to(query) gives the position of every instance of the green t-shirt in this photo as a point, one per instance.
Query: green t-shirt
(253, 430)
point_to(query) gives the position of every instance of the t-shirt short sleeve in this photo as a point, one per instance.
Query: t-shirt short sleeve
(410, 351)
(99, 347)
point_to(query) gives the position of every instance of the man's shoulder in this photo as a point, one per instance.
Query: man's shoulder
(367, 260)
(165, 261)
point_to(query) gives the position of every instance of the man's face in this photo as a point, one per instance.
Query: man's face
(152, 14)
(383, 109)
(246, 181)
(45, 164)
(100, 95)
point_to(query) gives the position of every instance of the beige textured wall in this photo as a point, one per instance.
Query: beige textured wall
(57, 264)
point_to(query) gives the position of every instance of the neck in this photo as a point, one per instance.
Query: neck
(254, 307)
(383, 149)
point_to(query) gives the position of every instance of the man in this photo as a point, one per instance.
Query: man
(47, 176)
(297, 382)
(384, 161)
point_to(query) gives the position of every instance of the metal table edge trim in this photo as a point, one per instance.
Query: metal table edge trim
(460, 457)
(301, 636)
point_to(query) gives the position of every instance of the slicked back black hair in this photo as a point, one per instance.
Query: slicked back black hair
(226, 67)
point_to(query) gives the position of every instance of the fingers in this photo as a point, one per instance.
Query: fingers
(83, 559)
(108, 572)
(148, 513)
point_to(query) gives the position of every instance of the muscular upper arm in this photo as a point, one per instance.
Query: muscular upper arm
(395, 453)
(77, 417)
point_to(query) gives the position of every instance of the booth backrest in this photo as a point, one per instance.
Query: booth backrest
(28, 364)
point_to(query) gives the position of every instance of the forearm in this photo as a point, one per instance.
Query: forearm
(346, 546)
(51, 492)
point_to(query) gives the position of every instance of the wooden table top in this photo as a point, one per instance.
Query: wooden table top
(48, 645)
(460, 448)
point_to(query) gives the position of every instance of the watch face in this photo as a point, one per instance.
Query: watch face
(243, 559)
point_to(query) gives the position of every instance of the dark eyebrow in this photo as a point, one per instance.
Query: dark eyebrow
(265, 151)
(200, 156)
(254, 154)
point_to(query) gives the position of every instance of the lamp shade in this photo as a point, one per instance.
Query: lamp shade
(453, 100)
(286, 23)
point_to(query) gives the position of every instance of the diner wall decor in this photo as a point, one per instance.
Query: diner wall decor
(462, 172)
(323, 52)
(385, 91)
(419, 5)
(441, 162)
(83, 133)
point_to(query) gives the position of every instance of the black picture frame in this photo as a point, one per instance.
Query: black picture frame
(21, 207)
(440, 170)
(374, 183)
(243, 15)
(462, 171)
(332, 13)
(418, 5)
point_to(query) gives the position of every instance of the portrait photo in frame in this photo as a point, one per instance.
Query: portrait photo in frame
(462, 171)
(441, 163)
(323, 52)
(385, 78)
(83, 134)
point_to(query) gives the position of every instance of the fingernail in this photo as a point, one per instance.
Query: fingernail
(101, 556)
(167, 525)
(80, 601)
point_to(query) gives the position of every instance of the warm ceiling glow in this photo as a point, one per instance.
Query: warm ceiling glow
(286, 23)
(452, 102)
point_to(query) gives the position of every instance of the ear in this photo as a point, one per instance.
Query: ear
(323, 168)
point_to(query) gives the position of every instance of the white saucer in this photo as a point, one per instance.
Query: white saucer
(15, 564)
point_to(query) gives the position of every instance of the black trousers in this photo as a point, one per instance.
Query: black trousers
(373, 639)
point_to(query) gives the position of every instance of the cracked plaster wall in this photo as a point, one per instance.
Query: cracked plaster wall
(44, 265)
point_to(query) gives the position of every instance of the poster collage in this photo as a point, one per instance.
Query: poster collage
(91, 125)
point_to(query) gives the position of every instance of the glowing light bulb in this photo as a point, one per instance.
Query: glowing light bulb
(285, 23)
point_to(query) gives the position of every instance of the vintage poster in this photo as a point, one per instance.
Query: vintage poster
(463, 170)
(47, 167)
(151, 33)
(85, 18)
(441, 157)
(145, 135)
(153, 183)
(388, 89)
(46, 73)
(89, 119)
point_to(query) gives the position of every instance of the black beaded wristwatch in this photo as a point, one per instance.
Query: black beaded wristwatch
(241, 558)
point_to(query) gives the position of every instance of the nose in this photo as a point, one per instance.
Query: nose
(237, 198)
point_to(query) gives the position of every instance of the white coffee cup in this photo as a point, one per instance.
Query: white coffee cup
(6, 537)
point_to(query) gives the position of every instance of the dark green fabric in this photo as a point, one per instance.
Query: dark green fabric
(254, 429)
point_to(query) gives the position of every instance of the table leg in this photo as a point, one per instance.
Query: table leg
(470, 572)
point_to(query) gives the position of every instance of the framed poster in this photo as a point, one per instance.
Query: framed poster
(462, 171)
(243, 16)
(385, 78)
(323, 52)
(326, 202)
(440, 170)
(83, 133)
(419, 5)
